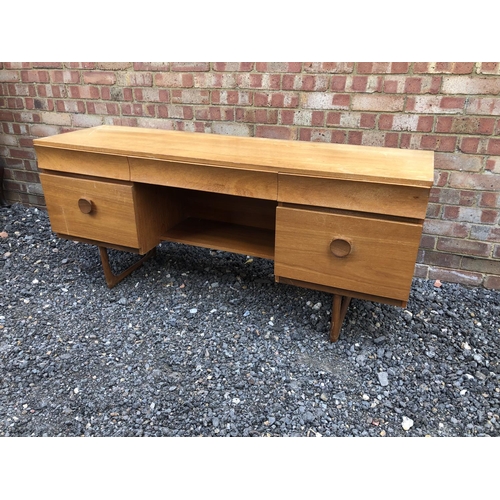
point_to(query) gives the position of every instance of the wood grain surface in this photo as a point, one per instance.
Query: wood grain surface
(340, 161)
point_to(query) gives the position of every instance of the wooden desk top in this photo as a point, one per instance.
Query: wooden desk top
(315, 159)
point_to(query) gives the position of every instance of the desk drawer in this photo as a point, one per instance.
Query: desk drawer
(91, 209)
(362, 254)
(384, 199)
(233, 181)
(84, 163)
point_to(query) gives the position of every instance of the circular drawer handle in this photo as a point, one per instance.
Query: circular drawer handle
(86, 206)
(340, 248)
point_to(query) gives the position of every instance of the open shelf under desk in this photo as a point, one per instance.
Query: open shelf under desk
(226, 236)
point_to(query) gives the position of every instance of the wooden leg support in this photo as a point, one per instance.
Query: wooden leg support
(339, 310)
(113, 279)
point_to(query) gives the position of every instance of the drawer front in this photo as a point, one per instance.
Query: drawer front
(247, 183)
(91, 209)
(384, 199)
(361, 254)
(77, 162)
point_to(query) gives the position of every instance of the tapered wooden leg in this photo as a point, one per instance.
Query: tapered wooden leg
(339, 310)
(113, 279)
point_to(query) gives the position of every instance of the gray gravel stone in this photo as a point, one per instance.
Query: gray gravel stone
(204, 343)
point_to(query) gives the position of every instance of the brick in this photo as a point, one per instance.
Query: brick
(382, 67)
(151, 66)
(325, 100)
(483, 106)
(452, 276)
(35, 76)
(328, 67)
(257, 115)
(490, 200)
(427, 241)
(99, 78)
(440, 259)
(465, 125)
(68, 106)
(277, 99)
(122, 120)
(80, 65)
(470, 85)
(493, 164)
(438, 143)
(496, 253)
(85, 121)
(469, 144)
(355, 137)
(492, 282)
(135, 109)
(318, 83)
(47, 65)
(493, 147)
(232, 97)
(17, 65)
(214, 80)
(464, 247)
(492, 68)
(52, 90)
(484, 182)
(44, 130)
(365, 102)
(302, 117)
(9, 76)
(451, 68)
(155, 123)
(486, 266)
(445, 196)
(338, 83)
(154, 95)
(258, 81)
(435, 104)
(60, 119)
(190, 66)
(84, 92)
(468, 214)
(374, 138)
(440, 227)
(15, 103)
(103, 108)
(21, 90)
(135, 79)
(368, 84)
(191, 96)
(421, 271)
(172, 80)
(210, 113)
(485, 233)
(275, 132)
(319, 135)
(64, 76)
(115, 66)
(278, 67)
(240, 129)
(233, 66)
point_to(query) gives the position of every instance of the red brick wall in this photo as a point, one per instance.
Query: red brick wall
(450, 108)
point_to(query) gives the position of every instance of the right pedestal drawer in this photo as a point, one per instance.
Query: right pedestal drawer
(358, 253)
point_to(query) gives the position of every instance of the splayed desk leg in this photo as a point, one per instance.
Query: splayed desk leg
(339, 310)
(113, 279)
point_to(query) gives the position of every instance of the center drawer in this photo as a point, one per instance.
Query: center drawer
(363, 254)
(92, 209)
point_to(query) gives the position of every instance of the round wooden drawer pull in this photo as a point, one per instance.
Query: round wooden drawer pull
(86, 206)
(340, 248)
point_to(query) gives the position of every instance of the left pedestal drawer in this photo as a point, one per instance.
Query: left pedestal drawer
(97, 210)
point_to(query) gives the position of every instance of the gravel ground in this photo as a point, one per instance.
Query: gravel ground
(204, 343)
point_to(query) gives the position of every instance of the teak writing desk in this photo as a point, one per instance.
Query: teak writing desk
(337, 218)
